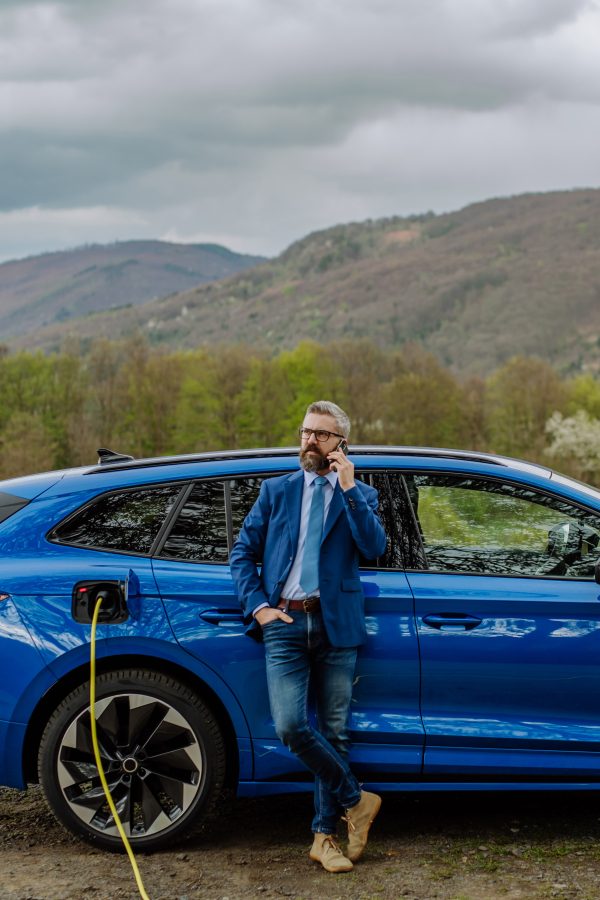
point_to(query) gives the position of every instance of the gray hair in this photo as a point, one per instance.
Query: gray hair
(326, 408)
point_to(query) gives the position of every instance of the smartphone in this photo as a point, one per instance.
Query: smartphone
(343, 446)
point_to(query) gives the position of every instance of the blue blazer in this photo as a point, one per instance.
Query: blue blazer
(270, 534)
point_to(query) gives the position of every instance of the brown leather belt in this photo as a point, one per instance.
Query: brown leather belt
(307, 606)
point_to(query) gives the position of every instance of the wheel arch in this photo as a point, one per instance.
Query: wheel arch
(79, 675)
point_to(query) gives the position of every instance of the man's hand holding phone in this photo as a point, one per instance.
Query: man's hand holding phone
(342, 465)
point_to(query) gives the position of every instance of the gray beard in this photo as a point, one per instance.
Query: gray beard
(310, 462)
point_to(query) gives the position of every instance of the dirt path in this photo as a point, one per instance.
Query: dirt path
(459, 846)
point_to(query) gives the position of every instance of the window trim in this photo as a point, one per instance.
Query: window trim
(166, 526)
(500, 480)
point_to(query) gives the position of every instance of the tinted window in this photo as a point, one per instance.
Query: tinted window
(392, 558)
(200, 533)
(127, 521)
(245, 491)
(408, 536)
(474, 525)
(244, 494)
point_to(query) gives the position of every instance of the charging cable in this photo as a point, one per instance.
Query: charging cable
(110, 800)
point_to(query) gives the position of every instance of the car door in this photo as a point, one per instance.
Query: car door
(191, 566)
(192, 572)
(386, 728)
(508, 618)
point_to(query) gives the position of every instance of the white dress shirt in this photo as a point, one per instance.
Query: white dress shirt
(291, 589)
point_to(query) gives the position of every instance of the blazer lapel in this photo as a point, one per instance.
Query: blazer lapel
(293, 499)
(335, 508)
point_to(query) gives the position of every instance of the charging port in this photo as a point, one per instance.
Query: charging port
(114, 602)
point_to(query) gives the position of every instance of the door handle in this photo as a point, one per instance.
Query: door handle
(451, 620)
(226, 616)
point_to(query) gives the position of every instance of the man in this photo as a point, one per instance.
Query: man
(307, 604)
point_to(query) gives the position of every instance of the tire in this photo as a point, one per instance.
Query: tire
(163, 755)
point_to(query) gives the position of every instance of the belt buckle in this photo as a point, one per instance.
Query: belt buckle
(304, 602)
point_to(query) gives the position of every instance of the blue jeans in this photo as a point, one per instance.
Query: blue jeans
(294, 653)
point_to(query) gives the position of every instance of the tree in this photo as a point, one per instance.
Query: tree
(584, 393)
(310, 374)
(422, 403)
(474, 430)
(363, 370)
(575, 440)
(147, 395)
(65, 419)
(25, 446)
(522, 396)
(210, 408)
(264, 403)
(104, 364)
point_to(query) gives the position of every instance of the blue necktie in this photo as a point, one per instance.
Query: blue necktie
(309, 576)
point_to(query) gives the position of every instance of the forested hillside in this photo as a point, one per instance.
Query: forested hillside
(55, 411)
(57, 287)
(515, 276)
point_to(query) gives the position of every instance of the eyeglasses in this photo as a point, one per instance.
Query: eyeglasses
(321, 436)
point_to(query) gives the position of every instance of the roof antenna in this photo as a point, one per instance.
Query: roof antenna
(106, 457)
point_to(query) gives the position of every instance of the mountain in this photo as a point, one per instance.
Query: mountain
(56, 287)
(519, 275)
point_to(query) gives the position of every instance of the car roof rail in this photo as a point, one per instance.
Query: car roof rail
(121, 461)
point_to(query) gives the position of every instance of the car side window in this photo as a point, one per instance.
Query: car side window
(127, 521)
(245, 491)
(210, 520)
(199, 533)
(392, 558)
(244, 494)
(479, 525)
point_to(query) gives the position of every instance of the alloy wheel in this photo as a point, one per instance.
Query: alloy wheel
(151, 758)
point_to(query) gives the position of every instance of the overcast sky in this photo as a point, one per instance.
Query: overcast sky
(252, 122)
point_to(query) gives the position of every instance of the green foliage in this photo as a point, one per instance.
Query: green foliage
(584, 393)
(523, 394)
(55, 411)
(422, 404)
(210, 405)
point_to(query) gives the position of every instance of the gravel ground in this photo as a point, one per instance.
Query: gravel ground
(458, 846)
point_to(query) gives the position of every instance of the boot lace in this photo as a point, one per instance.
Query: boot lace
(349, 822)
(331, 842)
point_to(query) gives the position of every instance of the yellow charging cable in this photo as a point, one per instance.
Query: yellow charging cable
(110, 800)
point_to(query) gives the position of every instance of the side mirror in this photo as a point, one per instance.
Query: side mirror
(114, 602)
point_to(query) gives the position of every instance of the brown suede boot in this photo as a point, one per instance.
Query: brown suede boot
(359, 820)
(326, 851)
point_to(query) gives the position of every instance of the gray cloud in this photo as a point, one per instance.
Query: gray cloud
(254, 121)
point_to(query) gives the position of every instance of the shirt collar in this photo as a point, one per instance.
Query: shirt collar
(331, 477)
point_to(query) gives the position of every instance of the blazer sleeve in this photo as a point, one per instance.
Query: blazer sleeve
(365, 523)
(247, 552)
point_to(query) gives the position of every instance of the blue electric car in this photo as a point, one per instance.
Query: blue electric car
(481, 670)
